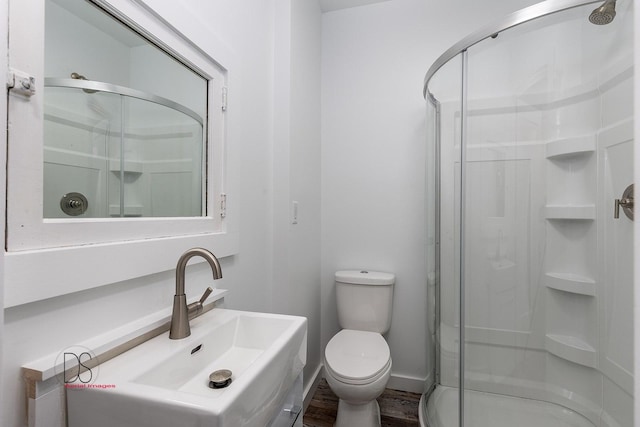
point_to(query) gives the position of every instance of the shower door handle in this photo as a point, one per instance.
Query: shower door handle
(626, 202)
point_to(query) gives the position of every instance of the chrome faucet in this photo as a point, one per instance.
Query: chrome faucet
(182, 312)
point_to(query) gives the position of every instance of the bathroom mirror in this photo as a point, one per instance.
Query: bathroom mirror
(124, 121)
(120, 120)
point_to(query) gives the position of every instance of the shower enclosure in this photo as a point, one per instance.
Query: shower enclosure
(531, 296)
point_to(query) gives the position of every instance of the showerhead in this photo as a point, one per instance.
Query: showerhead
(604, 14)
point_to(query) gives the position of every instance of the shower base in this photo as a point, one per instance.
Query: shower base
(495, 410)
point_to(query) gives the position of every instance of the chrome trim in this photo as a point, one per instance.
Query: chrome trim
(121, 90)
(122, 158)
(514, 19)
(463, 210)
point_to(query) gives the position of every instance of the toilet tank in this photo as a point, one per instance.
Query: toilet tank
(364, 300)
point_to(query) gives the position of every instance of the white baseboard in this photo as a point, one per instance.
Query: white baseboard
(405, 383)
(312, 385)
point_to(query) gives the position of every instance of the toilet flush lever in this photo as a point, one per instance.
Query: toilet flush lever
(626, 202)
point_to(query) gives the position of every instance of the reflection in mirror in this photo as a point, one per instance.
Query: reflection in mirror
(123, 121)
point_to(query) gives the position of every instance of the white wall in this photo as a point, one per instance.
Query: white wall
(296, 169)
(373, 156)
(373, 153)
(242, 36)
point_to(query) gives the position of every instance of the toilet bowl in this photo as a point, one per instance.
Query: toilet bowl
(358, 367)
(357, 359)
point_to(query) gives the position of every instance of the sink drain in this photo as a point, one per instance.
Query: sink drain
(220, 378)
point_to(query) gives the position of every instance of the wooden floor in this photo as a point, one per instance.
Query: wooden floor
(397, 408)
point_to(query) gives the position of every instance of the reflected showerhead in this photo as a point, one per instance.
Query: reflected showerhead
(604, 14)
(77, 76)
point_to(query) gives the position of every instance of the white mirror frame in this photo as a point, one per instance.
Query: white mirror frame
(51, 257)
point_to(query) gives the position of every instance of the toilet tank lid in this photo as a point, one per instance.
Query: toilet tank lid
(365, 277)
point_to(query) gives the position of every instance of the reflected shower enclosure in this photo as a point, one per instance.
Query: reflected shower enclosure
(531, 291)
(123, 121)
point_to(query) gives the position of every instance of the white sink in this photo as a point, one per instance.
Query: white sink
(165, 383)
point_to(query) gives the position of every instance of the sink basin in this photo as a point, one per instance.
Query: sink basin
(165, 382)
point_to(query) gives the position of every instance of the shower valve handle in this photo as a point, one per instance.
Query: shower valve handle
(627, 202)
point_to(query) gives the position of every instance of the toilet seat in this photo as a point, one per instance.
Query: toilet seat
(357, 357)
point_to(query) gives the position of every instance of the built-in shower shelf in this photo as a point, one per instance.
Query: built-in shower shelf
(571, 283)
(129, 167)
(570, 212)
(571, 348)
(571, 146)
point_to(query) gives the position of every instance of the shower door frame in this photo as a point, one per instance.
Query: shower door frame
(437, 187)
(512, 20)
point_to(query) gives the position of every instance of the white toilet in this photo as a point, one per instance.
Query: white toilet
(357, 359)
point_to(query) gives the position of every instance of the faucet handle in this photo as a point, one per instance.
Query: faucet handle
(195, 308)
(206, 294)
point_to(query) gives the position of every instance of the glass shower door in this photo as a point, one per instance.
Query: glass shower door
(443, 191)
(547, 269)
